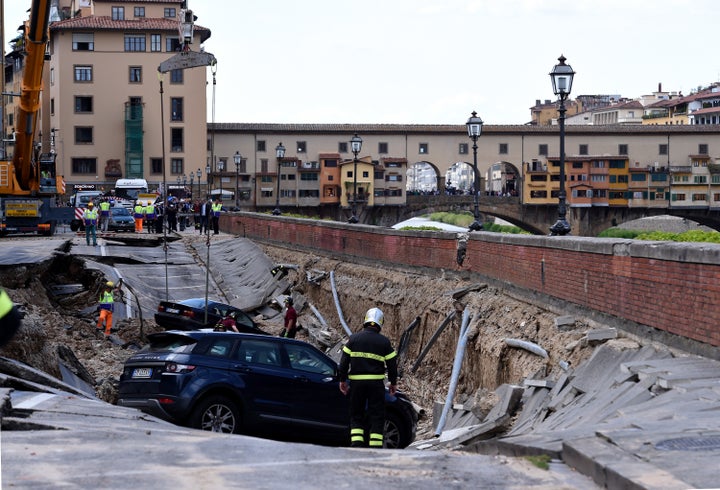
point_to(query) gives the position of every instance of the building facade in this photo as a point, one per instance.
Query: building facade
(102, 112)
(619, 165)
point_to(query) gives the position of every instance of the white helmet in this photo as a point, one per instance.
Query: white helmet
(374, 316)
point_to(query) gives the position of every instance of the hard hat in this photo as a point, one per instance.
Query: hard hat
(90, 204)
(289, 300)
(109, 284)
(374, 316)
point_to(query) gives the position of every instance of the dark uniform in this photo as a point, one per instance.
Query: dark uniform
(363, 362)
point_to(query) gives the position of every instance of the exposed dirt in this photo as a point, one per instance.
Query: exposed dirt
(51, 329)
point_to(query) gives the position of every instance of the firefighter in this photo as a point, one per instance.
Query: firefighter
(9, 318)
(363, 362)
(90, 217)
(106, 307)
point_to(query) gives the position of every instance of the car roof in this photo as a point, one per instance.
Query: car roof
(200, 302)
(206, 332)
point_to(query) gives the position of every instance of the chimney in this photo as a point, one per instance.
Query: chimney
(659, 86)
(537, 102)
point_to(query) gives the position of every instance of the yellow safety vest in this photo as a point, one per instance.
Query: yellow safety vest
(6, 303)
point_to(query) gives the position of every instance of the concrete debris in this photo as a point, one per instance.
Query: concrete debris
(315, 276)
(600, 335)
(565, 322)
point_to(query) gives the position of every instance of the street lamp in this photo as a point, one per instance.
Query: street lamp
(221, 167)
(279, 153)
(238, 160)
(474, 128)
(355, 146)
(562, 78)
(199, 176)
(207, 178)
(192, 183)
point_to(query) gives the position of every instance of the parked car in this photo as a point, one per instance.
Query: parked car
(121, 219)
(189, 314)
(244, 383)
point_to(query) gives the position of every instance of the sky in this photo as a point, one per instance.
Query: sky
(436, 61)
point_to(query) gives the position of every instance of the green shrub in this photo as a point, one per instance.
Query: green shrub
(663, 236)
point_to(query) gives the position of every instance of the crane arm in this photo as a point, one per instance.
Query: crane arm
(36, 39)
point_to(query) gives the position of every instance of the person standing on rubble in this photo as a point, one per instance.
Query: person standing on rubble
(106, 307)
(363, 362)
(290, 319)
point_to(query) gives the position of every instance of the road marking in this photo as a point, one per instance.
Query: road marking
(33, 401)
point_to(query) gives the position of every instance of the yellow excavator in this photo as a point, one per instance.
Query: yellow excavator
(29, 182)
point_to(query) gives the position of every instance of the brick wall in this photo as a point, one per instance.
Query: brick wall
(671, 287)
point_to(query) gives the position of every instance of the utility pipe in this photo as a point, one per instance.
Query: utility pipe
(459, 354)
(337, 304)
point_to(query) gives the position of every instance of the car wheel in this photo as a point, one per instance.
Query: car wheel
(217, 414)
(397, 433)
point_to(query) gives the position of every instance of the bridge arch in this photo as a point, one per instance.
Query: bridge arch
(424, 176)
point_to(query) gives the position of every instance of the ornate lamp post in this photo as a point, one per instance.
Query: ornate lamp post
(474, 128)
(237, 158)
(562, 78)
(207, 177)
(221, 167)
(192, 184)
(199, 176)
(355, 146)
(279, 153)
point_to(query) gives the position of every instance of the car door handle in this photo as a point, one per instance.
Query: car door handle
(242, 367)
(303, 379)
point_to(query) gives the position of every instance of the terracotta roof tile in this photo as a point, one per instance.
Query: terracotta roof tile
(99, 22)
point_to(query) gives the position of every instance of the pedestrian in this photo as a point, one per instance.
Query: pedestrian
(104, 214)
(216, 208)
(205, 212)
(10, 319)
(90, 217)
(290, 319)
(139, 215)
(363, 361)
(172, 211)
(196, 213)
(106, 307)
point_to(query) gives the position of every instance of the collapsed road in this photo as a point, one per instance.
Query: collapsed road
(499, 383)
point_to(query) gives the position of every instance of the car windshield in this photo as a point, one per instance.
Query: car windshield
(120, 211)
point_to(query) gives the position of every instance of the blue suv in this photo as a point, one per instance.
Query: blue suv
(246, 383)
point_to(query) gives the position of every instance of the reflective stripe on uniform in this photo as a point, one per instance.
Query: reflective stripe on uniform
(361, 377)
(369, 355)
(357, 435)
(6, 303)
(376, 440)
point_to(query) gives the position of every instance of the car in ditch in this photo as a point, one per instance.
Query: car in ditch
(189, 314)
(259, 385)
